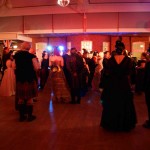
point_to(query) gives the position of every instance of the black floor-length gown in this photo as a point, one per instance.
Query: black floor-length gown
(117, 98)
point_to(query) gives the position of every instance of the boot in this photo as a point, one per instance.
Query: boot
(29, 112)
(22, 111)
(72, 98)
(147, 124)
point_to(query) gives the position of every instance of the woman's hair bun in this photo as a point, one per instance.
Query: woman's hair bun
(119, 47)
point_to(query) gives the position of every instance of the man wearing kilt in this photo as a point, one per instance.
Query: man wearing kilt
(26, 85)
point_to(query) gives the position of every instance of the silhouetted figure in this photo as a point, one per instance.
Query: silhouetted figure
(5, 57)
(104, 73)
(44, 72)
(92, 65)
(26, 84)
(140, 69)
(75, 67)
(117, 98)
(147, 93)
(66, 72)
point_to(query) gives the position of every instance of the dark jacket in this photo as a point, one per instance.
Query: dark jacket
(24, 67)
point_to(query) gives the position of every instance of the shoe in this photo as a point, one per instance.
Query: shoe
(23, 118)
(31, 118)
(78, 102)
(146, 124)
(72, 102)
(22, 112)
(35, 100)
(29, 112)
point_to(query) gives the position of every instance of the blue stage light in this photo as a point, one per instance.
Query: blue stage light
(49, 48)
(61, 48)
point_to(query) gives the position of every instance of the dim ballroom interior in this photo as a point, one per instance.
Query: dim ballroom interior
(68, 127)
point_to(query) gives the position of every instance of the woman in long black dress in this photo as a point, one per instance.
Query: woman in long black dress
(44, 69)
(117, 99)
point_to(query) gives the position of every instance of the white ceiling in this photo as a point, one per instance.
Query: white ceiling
(17, 15)
(37, 3)
(33, 7)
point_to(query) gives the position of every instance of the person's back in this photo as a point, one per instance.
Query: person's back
(119, 72)
(44, 72)
(26, 84)
(75, 67)
(117, 98)
(24, 71)
(59, 85)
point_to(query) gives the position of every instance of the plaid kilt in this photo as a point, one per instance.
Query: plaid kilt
(26, 90)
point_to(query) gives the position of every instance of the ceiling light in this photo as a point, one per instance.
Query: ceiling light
(63, 3)
(15, 46)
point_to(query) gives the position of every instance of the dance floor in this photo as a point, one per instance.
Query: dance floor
(68, 126)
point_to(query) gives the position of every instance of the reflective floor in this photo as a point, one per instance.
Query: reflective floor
(68, 126)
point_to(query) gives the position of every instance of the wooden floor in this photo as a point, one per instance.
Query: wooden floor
(68, 126)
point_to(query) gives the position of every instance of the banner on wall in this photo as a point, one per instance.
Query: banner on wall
(40, 47)
(86, 45)
(137, 49)
(105, 46)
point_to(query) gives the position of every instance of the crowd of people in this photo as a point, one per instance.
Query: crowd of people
(73, 74)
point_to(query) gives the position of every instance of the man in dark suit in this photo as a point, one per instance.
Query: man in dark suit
(75, 67)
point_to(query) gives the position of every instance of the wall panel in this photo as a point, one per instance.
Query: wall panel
(38, 24)
(11, 24)
(68, 23)
(134, 22)
(102, 22)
